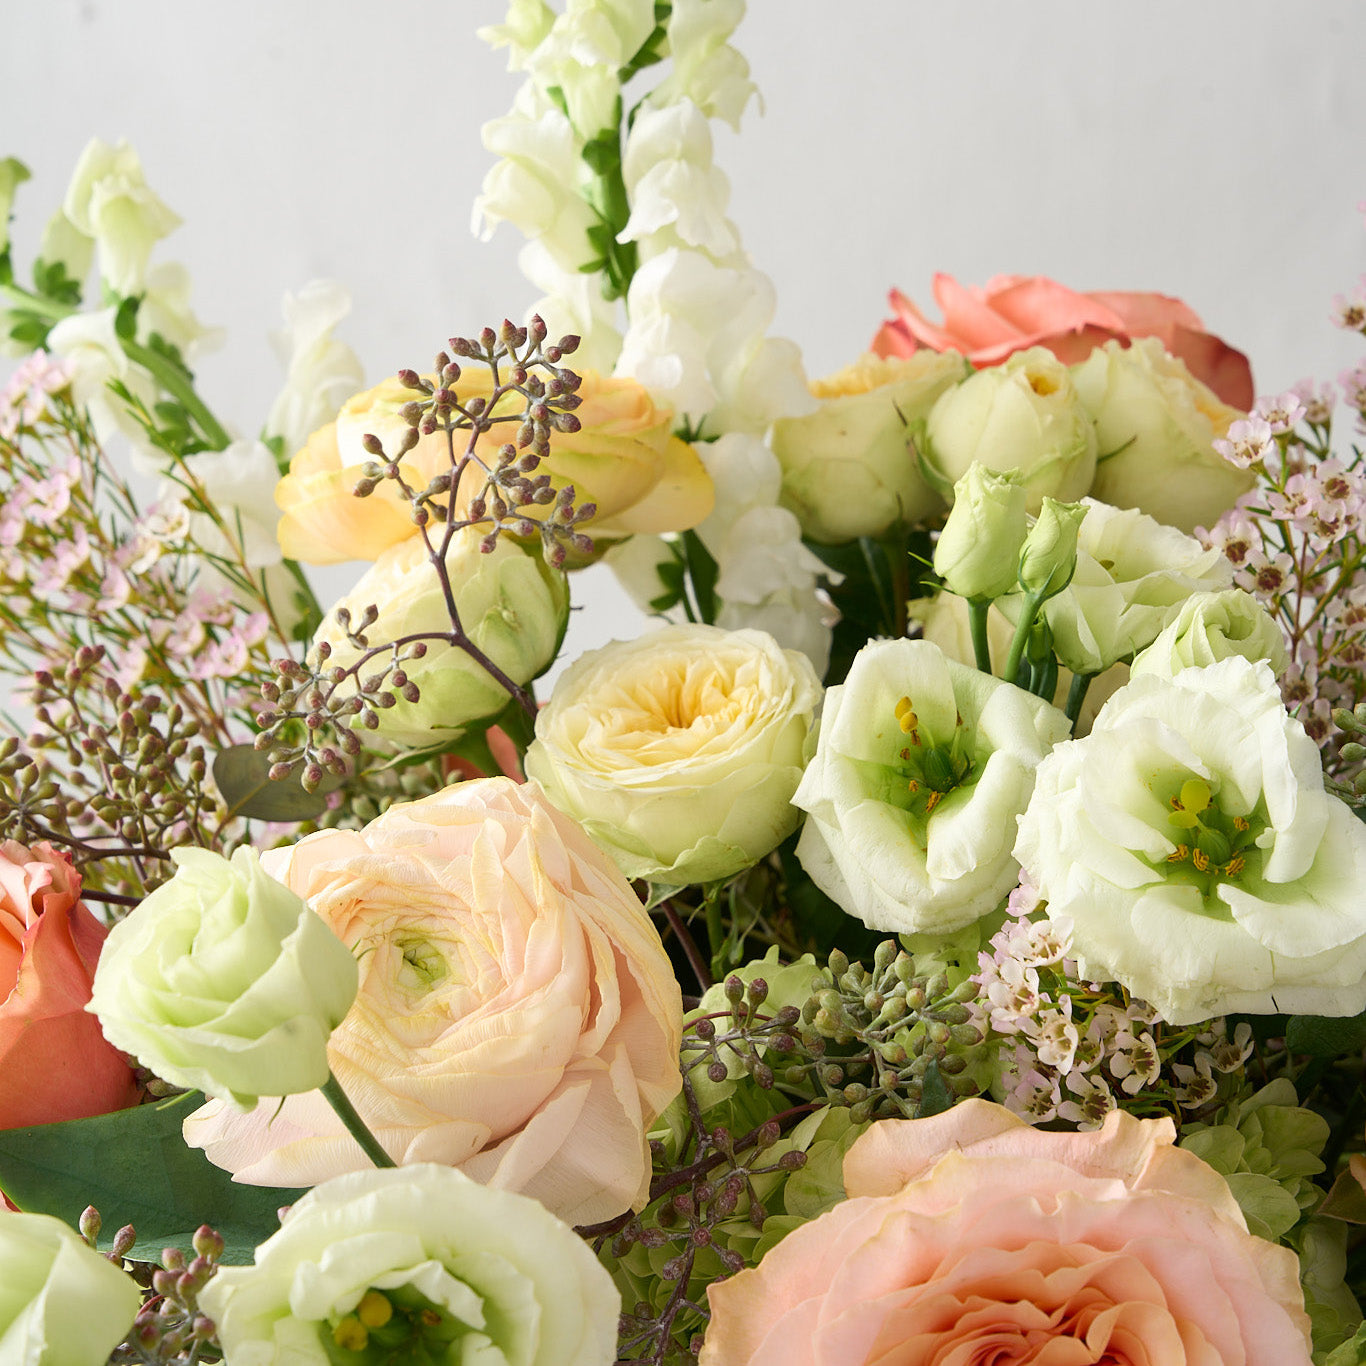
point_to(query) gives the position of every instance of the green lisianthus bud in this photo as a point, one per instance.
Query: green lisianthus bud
(1049, 555)
(978, 554)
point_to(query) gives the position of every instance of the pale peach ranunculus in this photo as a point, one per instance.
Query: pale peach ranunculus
(989, 322)
(55, 1061)
(624, 459)
(517, 1015)
(972, 1237)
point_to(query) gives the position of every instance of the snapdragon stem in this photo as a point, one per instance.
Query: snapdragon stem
(977, 623)
(1076, 695)
(355, 1125)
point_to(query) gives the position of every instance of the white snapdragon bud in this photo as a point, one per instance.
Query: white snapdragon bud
(706, 69)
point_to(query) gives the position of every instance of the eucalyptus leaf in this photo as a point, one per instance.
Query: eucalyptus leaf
(242, 773)
(135, 1168)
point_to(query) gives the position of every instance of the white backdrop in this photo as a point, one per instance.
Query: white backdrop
(1212, 150)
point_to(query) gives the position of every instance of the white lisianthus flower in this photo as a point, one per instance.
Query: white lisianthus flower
(921, 768)
(61, 1302)
(1209, 627)
(417, 1263)
(672, 182)
(110, 201)
(224, 981)
(1191, 842)
(322, 372)
(679, 752)
(1132, 575)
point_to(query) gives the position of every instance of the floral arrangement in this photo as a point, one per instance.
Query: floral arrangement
(940, 939)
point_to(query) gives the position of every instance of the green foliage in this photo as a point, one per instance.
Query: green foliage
(135, 1168)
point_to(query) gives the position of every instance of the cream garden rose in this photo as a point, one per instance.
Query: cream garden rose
(679, 752)
(1191, 843)
(921, 768)
(61, 1302)
(223, 981)
(848, 468)
(1022, 415)
(512, 605)
(517, 1015)
(1156, 425)
(417, 1263)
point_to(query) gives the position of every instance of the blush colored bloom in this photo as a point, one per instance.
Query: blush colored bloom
(56, 1063)
(517, 1016)
(971, 1237)
(1011, 312)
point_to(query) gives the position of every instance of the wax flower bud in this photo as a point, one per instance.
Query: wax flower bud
(978, 554)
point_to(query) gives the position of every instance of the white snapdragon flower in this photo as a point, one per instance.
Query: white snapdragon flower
(165, 310)
(573, 303)
(673, 184)
(90, 346)
(921, 768)
(240, 483)
(1191, 842)
(110, 201)
(706, 69)
(322, 371)
(527, 23)
(697, 340)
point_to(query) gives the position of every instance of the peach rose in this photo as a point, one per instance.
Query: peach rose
(1011, 312)
(971, 1237)
(517, 1015)
(55, 1062)
(624, 458)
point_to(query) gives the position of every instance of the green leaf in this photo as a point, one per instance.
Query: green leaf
(28, 329)
(242, 773)
(934, 1096)
(126, 319)
(135, 1168)
(702, 570)
(660, 892)
(1325, 1038)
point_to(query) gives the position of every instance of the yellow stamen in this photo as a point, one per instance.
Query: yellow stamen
(913, 786)
(1239, 823)
(350, 1334)
(902, 707)
(1200, 859)
(1235, 865)
(374, 1309)
(933, 800)
(908, 723)
(1179, 854)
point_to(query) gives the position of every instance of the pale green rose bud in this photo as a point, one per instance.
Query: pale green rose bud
(1048, 557)
(849, 469)
(978, 555)
(110, 201)
(679, 752)
(13, 173)
(1023, 415)
(1209, 627)
(224, 981)
(1156, 425)
(512, 605)
(423, 1257)
(61, 1302)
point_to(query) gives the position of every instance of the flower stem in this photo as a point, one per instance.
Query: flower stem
(355, 1125)
(1076, 695)
(174, 381)
(1029, 609)
(977, 622)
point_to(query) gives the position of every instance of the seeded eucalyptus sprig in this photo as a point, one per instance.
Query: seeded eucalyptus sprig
(314, 712)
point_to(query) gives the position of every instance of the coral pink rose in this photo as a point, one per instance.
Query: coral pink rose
(54, 1060)
(1011, 312)
(972, 1238)
(517, 1016)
